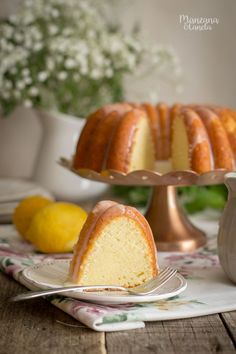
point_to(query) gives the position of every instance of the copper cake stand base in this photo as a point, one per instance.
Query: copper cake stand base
(171, 229)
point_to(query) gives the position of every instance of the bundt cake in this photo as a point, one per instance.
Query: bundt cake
(115, 247)
(131, 136)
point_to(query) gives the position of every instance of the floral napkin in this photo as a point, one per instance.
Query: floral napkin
(208, 291)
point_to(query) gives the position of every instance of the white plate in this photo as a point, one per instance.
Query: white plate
(16, 189)
(54, 274)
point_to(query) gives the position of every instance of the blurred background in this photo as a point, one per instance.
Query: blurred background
(207, 57)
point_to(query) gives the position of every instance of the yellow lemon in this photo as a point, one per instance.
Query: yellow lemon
(56, 227)
(26, 210)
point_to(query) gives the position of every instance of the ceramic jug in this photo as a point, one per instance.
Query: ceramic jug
(227, 230)
(60, 135)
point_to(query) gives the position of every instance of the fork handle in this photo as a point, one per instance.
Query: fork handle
(33, 294)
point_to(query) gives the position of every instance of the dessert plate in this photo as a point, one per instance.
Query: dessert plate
(54, 274)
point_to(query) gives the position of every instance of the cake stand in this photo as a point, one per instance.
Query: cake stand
(171, 228)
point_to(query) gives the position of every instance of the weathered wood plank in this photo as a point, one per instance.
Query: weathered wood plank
(33, 327)
(38, 327)
(198, 335)
(229, 320)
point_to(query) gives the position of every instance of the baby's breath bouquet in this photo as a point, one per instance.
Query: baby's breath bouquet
(67, 56)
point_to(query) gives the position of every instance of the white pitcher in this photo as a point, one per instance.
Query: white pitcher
(227, 230)
(60, 135)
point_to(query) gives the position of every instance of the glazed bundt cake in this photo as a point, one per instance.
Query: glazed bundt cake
(130, 136)
(115, 247)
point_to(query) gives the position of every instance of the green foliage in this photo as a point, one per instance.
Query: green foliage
(194, 198)
(198, 198)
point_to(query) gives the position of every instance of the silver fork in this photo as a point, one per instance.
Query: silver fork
(147, 288)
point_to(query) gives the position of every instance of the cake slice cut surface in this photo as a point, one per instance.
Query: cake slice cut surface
(191, 149)
(115, 247)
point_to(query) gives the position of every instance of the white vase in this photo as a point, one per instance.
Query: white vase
(60, 135)
(20, 137)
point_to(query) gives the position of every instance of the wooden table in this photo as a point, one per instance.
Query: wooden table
(37, 327)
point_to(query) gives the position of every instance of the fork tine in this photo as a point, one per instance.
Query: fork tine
(161, 274)
(161, 279)
(165, 272)
(155, 283)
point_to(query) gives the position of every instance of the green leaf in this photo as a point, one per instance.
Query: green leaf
(194, 198)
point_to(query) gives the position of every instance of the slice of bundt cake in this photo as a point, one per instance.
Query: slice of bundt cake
(115, 246)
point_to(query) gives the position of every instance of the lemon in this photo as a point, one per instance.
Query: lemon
(56, 227)
(26, 210)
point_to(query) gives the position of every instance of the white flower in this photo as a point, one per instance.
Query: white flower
(28, 3)
(18, 37)
(109, 73)
(62, 75)
(91, 33)
(82, 48)
(131, 61)
(53, 29)
(28, 103)
(95, 74)
(115, 46)
(84, 69)
(25, 72)
(7, 31)
(20, 85)
(10, 47)
(38, 46)
(42, 76)
(36, 33)
(13, 19)
(33, 91)
(70, 63)
(28, 43)
(8, 84)
(28, 18)
(98, 59)
(27, 80)
(50, 64)
(3, 43)
(79, 46)
(54, 13)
